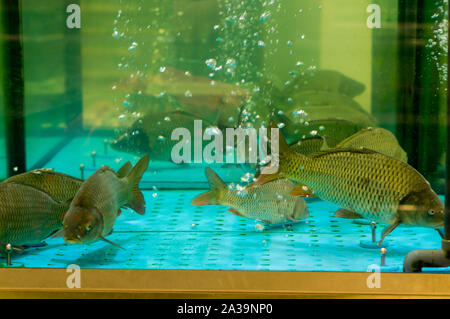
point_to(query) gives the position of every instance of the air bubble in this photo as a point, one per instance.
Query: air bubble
(300, 113)
(212, 130)
(264, 16)
(259, 227)
(116, 34)
(211, 63)
(132, 46)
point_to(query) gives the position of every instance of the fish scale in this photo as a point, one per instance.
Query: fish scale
(27, 215)
(59, 186)
(356, 180)
(264, 201)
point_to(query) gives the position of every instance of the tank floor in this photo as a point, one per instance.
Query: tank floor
(175, 235)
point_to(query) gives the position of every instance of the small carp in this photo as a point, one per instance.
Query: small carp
(96, 205)
(269, 203)
(186, 91)
(151, 134)
(27, 215)
(325, 80)
(59, 186)
(364, 183)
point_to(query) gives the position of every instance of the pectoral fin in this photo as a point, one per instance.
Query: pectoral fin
(59, 233)
(302, 190)
(345, 213)
(388, 230)
(235, 212)
(18, 249)
(41, 244)
(291, 219)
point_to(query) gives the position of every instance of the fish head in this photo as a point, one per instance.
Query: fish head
(134, 141)
(82, 225)
(422, 209)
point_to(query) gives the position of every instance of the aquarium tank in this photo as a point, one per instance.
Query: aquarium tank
(263, 135)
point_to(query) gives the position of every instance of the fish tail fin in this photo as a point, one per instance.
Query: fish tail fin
(274, 171)
(216, 192)
(124, 170)
(136, 201)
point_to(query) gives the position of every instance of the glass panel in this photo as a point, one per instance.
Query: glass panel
(2, 119)
(43, 54)
(356, 89)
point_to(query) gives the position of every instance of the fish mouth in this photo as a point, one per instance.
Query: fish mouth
(72, 240)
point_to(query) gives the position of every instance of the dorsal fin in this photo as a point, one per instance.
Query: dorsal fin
(124, 170)
(105, 168)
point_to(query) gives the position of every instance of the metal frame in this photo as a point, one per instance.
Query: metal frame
(101, 283)
(13, 86)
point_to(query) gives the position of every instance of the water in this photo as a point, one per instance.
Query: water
(174, 236)
(146, 67)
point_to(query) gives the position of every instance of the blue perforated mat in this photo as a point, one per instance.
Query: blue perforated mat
(175, 235)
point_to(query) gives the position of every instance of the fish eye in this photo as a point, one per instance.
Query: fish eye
(431, 212)
(88, 228)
